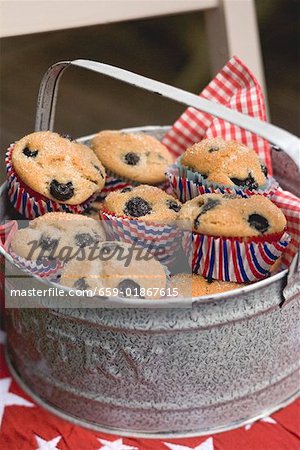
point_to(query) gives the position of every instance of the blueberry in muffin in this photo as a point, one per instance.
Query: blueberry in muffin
(137, 157)
(135, 278)
(232, 216)
(58, 168)
(143, 202)
(57, 235)
(226, 163)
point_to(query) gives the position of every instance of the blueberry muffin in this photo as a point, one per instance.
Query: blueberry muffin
(119, 267)
(137, 157)
(226, 163)
(229, 215)
(189, 285)
(147, 203)
(57, 235)
(58, 168)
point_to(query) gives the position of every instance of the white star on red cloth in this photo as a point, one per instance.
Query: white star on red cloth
(267, 419)
(47, 445)
(8, 398)
(206, 445)
(115, 445)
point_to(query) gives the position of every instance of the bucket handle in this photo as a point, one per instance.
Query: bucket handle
(49, 86)
(48, 94)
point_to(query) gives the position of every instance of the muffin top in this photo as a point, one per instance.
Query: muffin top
(139, 157)
(59, 169)
(230, 215)
(226, 162)
(143, 202)
(190, 285)
(57, 235)
(119, 266)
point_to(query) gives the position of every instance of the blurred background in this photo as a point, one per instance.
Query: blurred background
(172, 49)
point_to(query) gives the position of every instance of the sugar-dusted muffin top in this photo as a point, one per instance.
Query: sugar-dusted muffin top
(118, 266)
(57, 235)
(139, 157)
(190, 285)
(59, 169)
(143, 202)
(227, 215)
(226, 163)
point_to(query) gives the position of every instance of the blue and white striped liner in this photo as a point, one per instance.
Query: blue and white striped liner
(186, 187)
(163, 241)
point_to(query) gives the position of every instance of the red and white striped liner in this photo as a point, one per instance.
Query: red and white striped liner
(233, 259)
(163, 241)
(237, 88)
(31, 204)
(45, 269)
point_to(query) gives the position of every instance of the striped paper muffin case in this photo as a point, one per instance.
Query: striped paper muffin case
(46, 268)
(240, 260)
(187, 184)
(29, 203)
(161, 240)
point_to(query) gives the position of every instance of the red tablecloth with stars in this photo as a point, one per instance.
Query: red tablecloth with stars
(27, 426)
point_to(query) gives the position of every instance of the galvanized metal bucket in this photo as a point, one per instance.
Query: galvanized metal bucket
(156, 368)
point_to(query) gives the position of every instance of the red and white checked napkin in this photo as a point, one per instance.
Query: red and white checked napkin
(237, 88)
